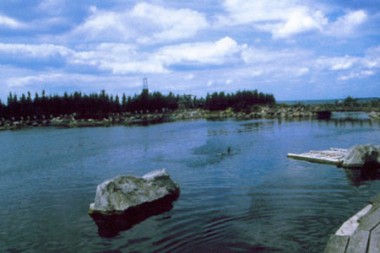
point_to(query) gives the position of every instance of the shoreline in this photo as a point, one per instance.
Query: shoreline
(128, 119)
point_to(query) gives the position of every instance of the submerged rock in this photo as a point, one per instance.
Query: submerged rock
(124, 201)
(362, 156)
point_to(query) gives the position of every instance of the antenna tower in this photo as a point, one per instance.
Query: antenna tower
(145, 83)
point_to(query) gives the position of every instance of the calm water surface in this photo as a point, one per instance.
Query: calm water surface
(252, 200)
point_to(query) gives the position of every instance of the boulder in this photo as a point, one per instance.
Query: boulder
(362, 156)
(125, 201)
(117, 195)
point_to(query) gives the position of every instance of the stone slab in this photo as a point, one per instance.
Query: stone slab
(358, 242)
(337, 244)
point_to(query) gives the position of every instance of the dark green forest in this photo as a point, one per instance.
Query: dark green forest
(100, 105)
(239, 101)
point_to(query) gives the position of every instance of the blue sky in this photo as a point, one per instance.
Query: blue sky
(291, 49)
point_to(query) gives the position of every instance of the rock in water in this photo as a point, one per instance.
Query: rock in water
(123, 192)
(362, 156)
(124, 201)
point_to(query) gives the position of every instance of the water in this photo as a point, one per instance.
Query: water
(251, 200)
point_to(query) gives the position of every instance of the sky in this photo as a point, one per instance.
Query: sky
(292, 49)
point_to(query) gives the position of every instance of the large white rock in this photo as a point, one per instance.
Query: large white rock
(125, 192)
(362, 155)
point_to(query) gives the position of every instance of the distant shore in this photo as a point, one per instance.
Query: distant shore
(127, 119)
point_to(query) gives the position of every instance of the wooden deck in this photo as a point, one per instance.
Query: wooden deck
(332, 156)
(359, 234)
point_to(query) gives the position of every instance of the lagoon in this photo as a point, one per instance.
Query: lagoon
(253, 199)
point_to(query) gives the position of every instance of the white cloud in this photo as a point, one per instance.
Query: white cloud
(287, 18)
(278, 63)
(190, 77)
(52, 6)
(355, 75)
(346, 62)
(342, 63)
(172, 24)
(269, 65)
(132, 67)
(299, 20)
(119, 58)
(256, 72)
(350, 67)
(144, 23)
(217, 52)
(347, 24)
(282, 18)
(20, 80)
(228, 81)
(302, 71)
(114, 57)
(10, 22)
(104, 26)
(243, 12)
(264, 55)
(123, 58)
(28, 80)
(34, 51)
(372, 59)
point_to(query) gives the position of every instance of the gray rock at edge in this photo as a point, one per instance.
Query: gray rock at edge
(362, 155)
(123, 192)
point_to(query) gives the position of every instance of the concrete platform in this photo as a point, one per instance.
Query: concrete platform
(332, 156)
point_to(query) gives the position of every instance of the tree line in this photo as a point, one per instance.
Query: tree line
(239, 101)
(100, 105)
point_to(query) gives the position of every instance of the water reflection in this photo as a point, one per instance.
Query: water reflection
(358, 176)
(217, 132)
(212, 152)
(110, 225)
(338, 119)
(350, 115)
(256, 126)
(350, 122)
(354, 119)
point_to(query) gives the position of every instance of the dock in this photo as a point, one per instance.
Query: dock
(333, 156)
(360, 233)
